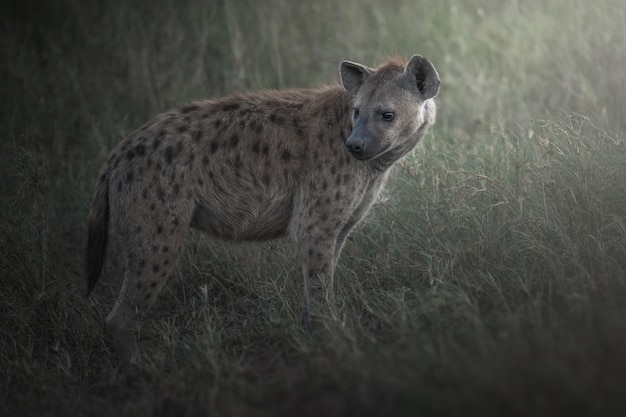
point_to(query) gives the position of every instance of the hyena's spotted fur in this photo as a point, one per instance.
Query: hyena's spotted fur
(303, 163)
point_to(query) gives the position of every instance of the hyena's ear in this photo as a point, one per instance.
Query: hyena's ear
(353, 76)
(423, 74)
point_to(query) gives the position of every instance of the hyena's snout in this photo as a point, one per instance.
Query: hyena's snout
(361, 144)
(355, 145)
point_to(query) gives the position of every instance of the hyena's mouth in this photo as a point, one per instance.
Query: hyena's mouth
(369, 155)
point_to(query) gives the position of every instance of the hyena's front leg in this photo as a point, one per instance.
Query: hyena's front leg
(318, 267)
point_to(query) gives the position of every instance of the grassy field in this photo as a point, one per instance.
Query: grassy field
(491, 280)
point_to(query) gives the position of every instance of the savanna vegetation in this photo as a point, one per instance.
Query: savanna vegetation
(490, 280)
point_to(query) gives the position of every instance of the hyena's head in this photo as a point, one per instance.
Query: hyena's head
(391, 104)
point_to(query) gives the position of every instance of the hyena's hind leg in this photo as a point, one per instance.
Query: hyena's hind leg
(152, 249)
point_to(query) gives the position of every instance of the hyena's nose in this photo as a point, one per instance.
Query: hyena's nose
(354, 149)
(355, 144)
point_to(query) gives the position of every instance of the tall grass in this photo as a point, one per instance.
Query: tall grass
(491, 279)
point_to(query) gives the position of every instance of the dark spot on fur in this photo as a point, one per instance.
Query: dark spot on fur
(140, 149)
(129, 176)
(155, 268)
(119, 186)
(160, 229)
(230, 107)
(161, 194)
(154, 248)
(286, 155)
(130, 155)
(166, 262)
(152, 207)
(266, 149)
(214, 147)
(139, 285)
(279, 120)
(189, 108)
(149, 162)
(176, 189)
(138, 229)
(169, 154)
(234, 139)
(258, 128)
(102, 177)
(165, 249)
(157, 141)
(338, 195)
(153, 284)
(147, 296)
(142, 263)
(298, 126)
(205, 160)
(217, 123)
(255, 147)
(181, 128)
(197, 135)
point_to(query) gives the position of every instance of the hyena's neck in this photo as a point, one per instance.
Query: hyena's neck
(385, 161)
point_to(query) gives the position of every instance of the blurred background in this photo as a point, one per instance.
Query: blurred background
(491, 280)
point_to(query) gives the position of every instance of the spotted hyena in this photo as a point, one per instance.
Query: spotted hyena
(307, 164)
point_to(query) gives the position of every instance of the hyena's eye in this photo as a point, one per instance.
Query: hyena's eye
(388, 116)
(356, 114)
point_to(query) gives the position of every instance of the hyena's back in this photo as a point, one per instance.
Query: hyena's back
(237, 160)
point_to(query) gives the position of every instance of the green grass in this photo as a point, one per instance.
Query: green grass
(491, 280)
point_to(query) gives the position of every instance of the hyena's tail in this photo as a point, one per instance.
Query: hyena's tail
(97, 234)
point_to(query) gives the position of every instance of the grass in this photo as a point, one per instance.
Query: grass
(491, 280)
